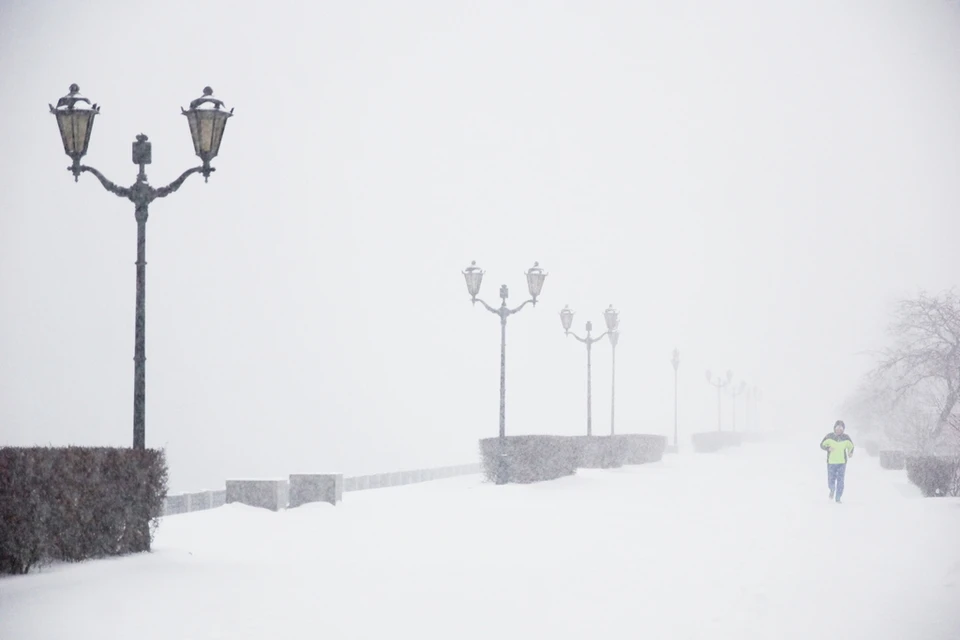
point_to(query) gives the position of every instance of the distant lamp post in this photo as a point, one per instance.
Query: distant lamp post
(207, 121)
(736, 392)
(755, 397)
(675, 361)
(720, 384)
(473, 275)
(612, 318)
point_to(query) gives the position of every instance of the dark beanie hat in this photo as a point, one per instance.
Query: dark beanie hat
(839, 423)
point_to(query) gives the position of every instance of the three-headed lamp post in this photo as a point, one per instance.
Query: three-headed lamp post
(207, 120)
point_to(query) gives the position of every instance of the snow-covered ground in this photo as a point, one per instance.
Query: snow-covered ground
(743, 544)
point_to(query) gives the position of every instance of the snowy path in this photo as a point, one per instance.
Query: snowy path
(738, 545)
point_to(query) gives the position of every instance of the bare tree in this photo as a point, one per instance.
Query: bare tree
(923, 365)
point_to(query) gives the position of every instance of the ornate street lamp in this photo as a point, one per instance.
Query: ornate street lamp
(207, 121)
(611, 316)
(473, 276)
(719, 383)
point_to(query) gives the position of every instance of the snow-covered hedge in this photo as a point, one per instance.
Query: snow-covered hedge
(529, 458)
(935, 475)
(599, 452)
(75, 503)
(711, 441)
(537, 458)
(641, 448)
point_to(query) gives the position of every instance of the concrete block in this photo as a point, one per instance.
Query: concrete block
(266, 494)
(315, 487)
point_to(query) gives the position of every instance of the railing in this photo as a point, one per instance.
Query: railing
(203, 500)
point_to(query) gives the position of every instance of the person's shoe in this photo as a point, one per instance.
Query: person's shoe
(838, 500)
(831, 494)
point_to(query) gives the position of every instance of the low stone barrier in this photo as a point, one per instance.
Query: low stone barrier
(202, 500)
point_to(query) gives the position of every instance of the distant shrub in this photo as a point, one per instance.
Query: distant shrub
(713, 441)
(935, 475)
(76, 503)
(894, 460)
(528, 459)
(872, 447)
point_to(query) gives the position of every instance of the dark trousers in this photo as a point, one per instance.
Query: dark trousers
(835, 473)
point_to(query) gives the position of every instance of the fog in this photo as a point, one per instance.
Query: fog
(753, 183)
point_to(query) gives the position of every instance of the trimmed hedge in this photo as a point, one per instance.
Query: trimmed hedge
(641, 448)
(529, 458)
(538, 458)
(894, 460)
(599, 452)
(76, 503)
(713, 441)
(935, 475)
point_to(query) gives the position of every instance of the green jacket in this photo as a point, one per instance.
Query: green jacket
(842, 447)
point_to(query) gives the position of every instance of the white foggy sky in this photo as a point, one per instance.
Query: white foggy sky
(751, 182)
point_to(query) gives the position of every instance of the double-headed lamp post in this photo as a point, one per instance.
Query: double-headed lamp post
(719, 383)
(675, 361)
(474, 277)
(207, 121)
(612, 318)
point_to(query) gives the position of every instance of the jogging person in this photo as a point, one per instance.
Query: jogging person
(839, 448)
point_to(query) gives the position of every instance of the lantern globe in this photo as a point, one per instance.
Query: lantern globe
(75, 124)
(207, 119)
(473, 275)
(566, 318)
(612, 317)
(535, 277)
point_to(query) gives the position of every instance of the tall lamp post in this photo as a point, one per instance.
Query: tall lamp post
(612, 319)
(736, 392)
(207, 121)
(474, 277)
(719, 383)
(675, 361)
